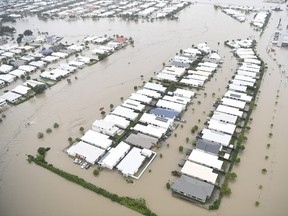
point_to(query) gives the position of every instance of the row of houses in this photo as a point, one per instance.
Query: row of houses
(260, 19)
(142, 121)
(200, 173)
(98, 8)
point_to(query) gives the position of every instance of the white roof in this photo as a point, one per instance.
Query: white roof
(165, 76)
(184, 93)
(7, 78)
(105, 127)
(11, 97)
(238, 96)
(246, 73)
(215, 136)
(242, 83)
(239, 88)
(233, 103)
(18, 73)
(141, 98)
(201, 73)
(224, 117)
(197, 77)
(76, 63)
(156, 121)
(60, 72)
(67, 67)
(149, 93)
(97, 139)
(28, 68)
(251, 65)
(245, 78)
(83, 59)
(150, 130)
(125, 112)
(131, 163)
(115, 155)
(229, 110)
(170, 105)
(20, 89)
(204, 158)
(191, 51)
(177, 99)
(33, 83)
(199, 171)
(76, 47)
(132, 104)
(50, 75)
(39, 64)
(89, 152)
(221, 126)
(5, 68)
(155, 86)
(215, 56)
(254, 61)
(50, 58)
(117, 120)
(250, 68)
(206, 69)
(192, 82)
(173, 70)
(59, 54)
(208, 64)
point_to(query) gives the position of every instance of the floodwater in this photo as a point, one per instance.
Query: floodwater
(30, 190)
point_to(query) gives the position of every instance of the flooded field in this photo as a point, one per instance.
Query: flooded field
(30, 190)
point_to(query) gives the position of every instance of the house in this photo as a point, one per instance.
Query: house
(5, 69)
(216, 136)
(131, 162)
(117, 121)
(8, 78)
(125, 112)
(60, 55)
(105, 127)
(51, 76)
(86, 151)
(184, 93)
(27, 68)
(76, 64)
(149, 93)
(170, 105)
(18, 73)
(97, 139)
(46, 51)
(17, 63)
(192, 188)
(155, 87)
(200, 172)
(3, 103)
(38, 64)
(50, 59)
(83, 59)
(114, 155)
(11, 97)
(22, 90)
(141, 98)
(141, 140)
(166, 123)
(133, 104)
(150, 130)
(67, 67)
(208, 146)
(224, 127)
(166, 113)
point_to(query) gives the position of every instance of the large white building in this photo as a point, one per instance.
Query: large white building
(96, 139)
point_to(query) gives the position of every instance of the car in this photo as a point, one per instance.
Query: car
(88, 165)
(83, 165)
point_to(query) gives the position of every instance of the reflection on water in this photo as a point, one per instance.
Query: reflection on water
(30, 190)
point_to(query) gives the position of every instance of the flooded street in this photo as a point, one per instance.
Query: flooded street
(30, 190)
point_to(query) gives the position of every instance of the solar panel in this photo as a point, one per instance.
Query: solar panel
(235, 95)
(131, 104)
(161, 119)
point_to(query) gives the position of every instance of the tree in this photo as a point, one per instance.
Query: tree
(40, 135)
(38, 89)
(264, 171)
(56, 125)
(48, 130)
(28, 32)
(81, 129)
(111, 106)
(41, 151)
(96, 172)
(102, 56)
(180, 148)
(168, 186)
(70, 139)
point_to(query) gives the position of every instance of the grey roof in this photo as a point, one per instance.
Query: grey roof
(193, 188)
(208, 146)
(141, 140)
(180, 64)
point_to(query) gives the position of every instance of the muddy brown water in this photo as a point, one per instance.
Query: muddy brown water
(30, 190)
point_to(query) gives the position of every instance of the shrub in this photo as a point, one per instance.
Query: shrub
(180, 148)
(48, 130)
(55, 125)
(168, 186)
(40, 135)
(96, 172)
(264, 171)
(257, 203)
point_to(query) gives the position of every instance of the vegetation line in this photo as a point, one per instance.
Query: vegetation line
(138, 205)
